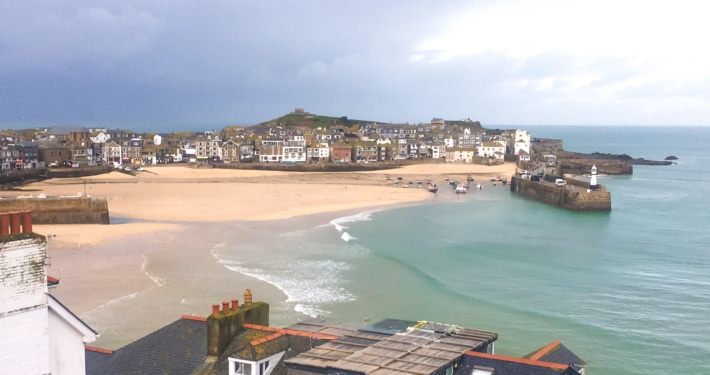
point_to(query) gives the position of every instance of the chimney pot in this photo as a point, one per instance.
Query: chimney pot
(26, 217)
(15, 222)
(215, 309)
(247, 297)
(235, 304)
(4, 224)
(225, 306)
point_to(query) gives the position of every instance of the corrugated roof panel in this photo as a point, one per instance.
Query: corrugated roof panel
(450, 347)
(386, 371)
(308, 361)
(396, 345)
(369, 359)
(427, 352)
(353, 366)
(385, 352)
(430, 361)
(409, 339)
(413, 368)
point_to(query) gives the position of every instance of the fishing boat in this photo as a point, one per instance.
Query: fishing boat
(460, 189)
(479, 186)
(433, 188)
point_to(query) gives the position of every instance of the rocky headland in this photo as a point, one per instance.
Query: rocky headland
(576, 163)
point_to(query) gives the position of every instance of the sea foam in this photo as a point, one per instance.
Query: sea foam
(338, 224)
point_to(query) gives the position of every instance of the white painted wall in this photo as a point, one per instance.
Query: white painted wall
(24, 347)
(66, 347)
(39, 335)
(23, 285)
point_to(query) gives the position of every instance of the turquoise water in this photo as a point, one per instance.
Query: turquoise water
(628, 291)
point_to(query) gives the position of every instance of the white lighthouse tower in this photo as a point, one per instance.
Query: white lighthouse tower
(593, 181)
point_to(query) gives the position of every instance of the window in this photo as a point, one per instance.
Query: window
(244, 368)
(479, 370)
(263, 367)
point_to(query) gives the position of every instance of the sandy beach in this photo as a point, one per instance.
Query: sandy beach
(162, 197)
(168, 218)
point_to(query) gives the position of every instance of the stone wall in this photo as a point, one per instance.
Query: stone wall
(60, 210)
(575, 199)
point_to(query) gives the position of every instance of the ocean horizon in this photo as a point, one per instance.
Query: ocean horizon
(626, 290)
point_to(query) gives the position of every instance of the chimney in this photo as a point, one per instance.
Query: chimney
(15, 222)
(26, 218)
(223, 326)
(4, 224)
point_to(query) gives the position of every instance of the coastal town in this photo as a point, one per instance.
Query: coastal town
(159, 185)
(298, 137)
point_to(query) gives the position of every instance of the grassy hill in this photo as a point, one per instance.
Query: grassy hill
(310, 120)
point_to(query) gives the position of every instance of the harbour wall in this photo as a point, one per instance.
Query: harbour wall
(576, 196)
(60, 210)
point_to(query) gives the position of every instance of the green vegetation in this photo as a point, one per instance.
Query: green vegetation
(310, 121)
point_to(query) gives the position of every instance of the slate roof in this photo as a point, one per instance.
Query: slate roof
(556, 352)
(394, 347)
(178, 348)
(66, 130)
(504, 365)
(255, 342)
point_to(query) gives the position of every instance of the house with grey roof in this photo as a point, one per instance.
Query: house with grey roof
(76, 134)
(393, 347)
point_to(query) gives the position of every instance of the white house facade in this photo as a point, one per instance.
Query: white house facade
(40, 336)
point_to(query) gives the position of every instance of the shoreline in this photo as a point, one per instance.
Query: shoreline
(114, 281)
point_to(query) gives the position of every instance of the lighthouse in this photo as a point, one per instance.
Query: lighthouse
(593, 181)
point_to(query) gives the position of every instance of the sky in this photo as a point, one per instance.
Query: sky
(169, 65)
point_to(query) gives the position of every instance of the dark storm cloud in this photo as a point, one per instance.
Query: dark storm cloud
(176, 63)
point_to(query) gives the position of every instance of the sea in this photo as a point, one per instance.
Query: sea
(628, 291)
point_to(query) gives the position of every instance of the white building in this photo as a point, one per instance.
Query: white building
(40, 335)
(100, 138)
(493, 150)
(294, 149)
(521, 142)
(318, 151)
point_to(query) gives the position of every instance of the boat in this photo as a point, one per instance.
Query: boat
(469, 178)
(461, 188)
(433, 188)
(479, 186)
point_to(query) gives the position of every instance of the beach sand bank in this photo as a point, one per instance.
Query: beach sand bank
(168, 219)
